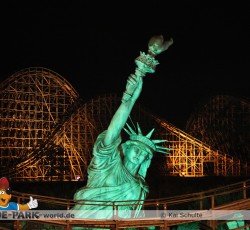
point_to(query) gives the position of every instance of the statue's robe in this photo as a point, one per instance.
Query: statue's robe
(109, 182)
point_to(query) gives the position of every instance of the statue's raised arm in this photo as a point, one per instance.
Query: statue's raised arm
(146, 63)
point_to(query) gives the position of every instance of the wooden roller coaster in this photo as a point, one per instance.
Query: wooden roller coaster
(48, 131)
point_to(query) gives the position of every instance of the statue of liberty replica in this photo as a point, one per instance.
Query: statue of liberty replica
(117, 171)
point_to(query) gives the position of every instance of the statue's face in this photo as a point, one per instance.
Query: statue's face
(136, 154)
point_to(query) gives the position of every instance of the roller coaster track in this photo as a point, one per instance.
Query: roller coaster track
(48, 132)
(38, 154)
(190, 155)
(38, 134)
(223, 122)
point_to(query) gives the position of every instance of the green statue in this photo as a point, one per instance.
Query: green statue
(117, 171)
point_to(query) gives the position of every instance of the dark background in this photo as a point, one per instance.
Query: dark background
(94, 46)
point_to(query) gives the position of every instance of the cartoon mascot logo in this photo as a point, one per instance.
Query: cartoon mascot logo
(5, 197)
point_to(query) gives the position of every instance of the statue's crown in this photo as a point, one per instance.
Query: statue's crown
(152, 144)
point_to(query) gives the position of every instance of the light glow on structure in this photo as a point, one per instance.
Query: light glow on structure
(48, 133)
(39, 140)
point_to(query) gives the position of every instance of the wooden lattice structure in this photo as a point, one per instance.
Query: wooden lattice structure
(191, 157)
(40, 127)
(48, 132)
(223, 122)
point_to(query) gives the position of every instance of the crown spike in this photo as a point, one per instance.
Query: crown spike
(158, 141)
(161, 151)
(129, 133)
(150, 133)
(139, 129)
(162, 147)
(130, 129)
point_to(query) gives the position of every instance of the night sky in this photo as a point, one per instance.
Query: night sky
(94, 48)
